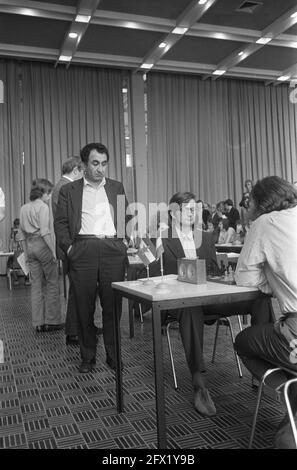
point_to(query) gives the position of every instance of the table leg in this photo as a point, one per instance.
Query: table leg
(159, 377)
(131, 317)
(117, 299)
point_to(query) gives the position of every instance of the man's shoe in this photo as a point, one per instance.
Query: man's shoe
(87, 366)
(39, 329)
(203, 402)
(110, 361)
(59, 326)
(71, 339)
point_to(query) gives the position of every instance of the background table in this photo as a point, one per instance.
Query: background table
(227, 248)
(177, 295)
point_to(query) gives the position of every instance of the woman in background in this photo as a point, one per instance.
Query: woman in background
(39, 249)
(227, 234)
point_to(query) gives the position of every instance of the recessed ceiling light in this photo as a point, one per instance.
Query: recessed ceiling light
(128, 160)
(263, 40)
(65, 58)
(202, 2)
(283, 78)
(179, 30)
(125, 90)
(82, 18)
(146, 66)
(240, 53)
(73, 35)
(219, 72)
(162, 45)
(294, 15)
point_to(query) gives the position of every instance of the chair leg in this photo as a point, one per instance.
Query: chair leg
(289, 409)
(215, 341)
(239, 322)
(140, 313)
(171, 356)
(233, 340)
(259, 396)
(9, 279)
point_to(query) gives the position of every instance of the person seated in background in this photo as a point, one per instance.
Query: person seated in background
(226, 233)
(15, 246)
(231, 213)
(239, 234)
(268, 261)
(212, 229)
(244, 209)
(205, 212)
(248, 184)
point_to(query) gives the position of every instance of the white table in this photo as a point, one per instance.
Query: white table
(177, 295)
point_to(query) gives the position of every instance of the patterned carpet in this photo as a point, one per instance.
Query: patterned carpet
(47, 404)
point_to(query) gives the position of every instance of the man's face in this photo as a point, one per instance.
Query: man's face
(96, 167)
(185, 217)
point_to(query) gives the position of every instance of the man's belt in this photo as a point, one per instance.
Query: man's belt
(100, 237)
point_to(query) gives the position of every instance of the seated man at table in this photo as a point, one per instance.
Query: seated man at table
(268, 261)
(184, 239)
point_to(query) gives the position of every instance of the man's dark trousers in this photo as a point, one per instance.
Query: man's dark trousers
(94, 264)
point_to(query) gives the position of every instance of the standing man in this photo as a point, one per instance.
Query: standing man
(72, 170)
(231, 213)
(90, 228)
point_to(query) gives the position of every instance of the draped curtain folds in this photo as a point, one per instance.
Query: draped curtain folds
(11, 168)
(48, 115)
(66, 109)
(209, 136)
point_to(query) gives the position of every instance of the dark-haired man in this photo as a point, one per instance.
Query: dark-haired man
(72, 170)
(231, 213)
(90, 228)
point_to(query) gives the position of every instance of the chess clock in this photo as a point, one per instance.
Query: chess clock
(191, 270)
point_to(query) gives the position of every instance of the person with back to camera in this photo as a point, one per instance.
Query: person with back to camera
(268, 261)
(72, 169)
(39, 248)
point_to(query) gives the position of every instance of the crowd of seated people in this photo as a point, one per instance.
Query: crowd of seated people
(223, 220)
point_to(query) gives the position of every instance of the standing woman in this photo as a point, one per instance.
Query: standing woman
(39, 249)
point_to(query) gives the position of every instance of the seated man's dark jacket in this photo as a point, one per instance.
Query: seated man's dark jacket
(173, 250)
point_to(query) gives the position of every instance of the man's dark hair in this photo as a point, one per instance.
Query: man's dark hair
(229, 202)
(178, 199)
(87, 149)
(273, 194)
(69, 165)
(182, 198)
(40, 186)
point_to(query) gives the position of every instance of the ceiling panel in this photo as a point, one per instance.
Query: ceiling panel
(292, 30)
(118, 41)
(224, 13)
(210, 51)
(31, 31)
(274, 58)
(158, 8)
(69, 3)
